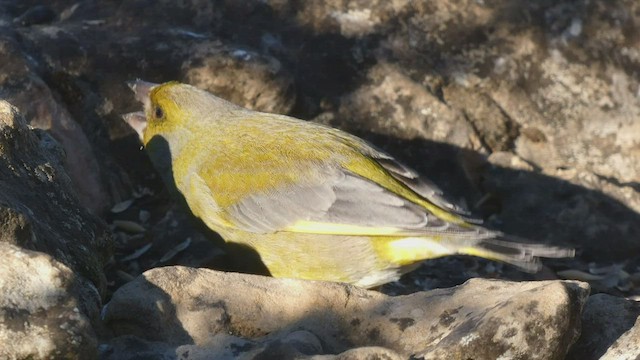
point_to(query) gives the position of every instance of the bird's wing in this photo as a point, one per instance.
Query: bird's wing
(342, 203)
(421, 185)
(296, 182)
(332, 200)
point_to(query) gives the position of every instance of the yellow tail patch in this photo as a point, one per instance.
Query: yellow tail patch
(405, 251)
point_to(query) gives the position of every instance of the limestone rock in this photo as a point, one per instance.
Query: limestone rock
(43, 308)
(480, 319)
(525, 111)
(626, 347)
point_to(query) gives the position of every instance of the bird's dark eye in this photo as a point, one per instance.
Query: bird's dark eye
(159, 112)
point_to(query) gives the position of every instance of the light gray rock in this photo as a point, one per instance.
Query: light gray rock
(626, 347)
(42, 307)
(526, 110)
(296, 345)
(482, 319)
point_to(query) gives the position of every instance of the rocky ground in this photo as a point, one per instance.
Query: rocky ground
(525, 112)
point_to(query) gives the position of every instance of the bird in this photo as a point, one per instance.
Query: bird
(314, 202)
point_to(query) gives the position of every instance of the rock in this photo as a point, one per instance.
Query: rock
(557, 204)
(43, 308)
(242, 76)
(223, 347)
(350, 18)
(39, 209)
(494, 128)
(608, 328)
(132, 348)
(21, 85)
(626, 347)
(393, 104)
(38, 14)
(549, 84)
(550, 93)
(362, 353)
(480, 319)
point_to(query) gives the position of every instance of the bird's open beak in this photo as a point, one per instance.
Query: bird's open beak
(138, 120)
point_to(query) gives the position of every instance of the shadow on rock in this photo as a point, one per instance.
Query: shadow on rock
(199, 312)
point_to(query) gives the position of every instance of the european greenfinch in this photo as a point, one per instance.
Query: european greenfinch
(313, 201)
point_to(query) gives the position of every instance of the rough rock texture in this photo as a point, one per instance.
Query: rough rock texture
(391, 103)
(39, 209)
(251, 315)
(43, 308)
(608, 327)
(21, 84)
(626, 346)
(251, 79)
(296, 345)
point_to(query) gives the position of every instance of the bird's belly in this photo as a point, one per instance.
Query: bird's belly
(351, 259)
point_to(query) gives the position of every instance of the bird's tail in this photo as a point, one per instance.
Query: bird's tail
(525, 256)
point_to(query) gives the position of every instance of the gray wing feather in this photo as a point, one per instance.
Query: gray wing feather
(361, 202)
(422, 186)
(339, 198)
(277, 209)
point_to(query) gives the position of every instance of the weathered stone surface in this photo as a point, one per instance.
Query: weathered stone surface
(486, 79)
(43, 308)
(480, 319)
(39, 209)
(626, 346)
(392, 103)
(22, 86)
(608, 327)
(296, 345)
(350, 18)
(550, 93)
(244, 77)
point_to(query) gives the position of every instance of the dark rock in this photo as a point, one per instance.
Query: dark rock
(605, 321)
(39, 14)
(39, 207)
(21, 85)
